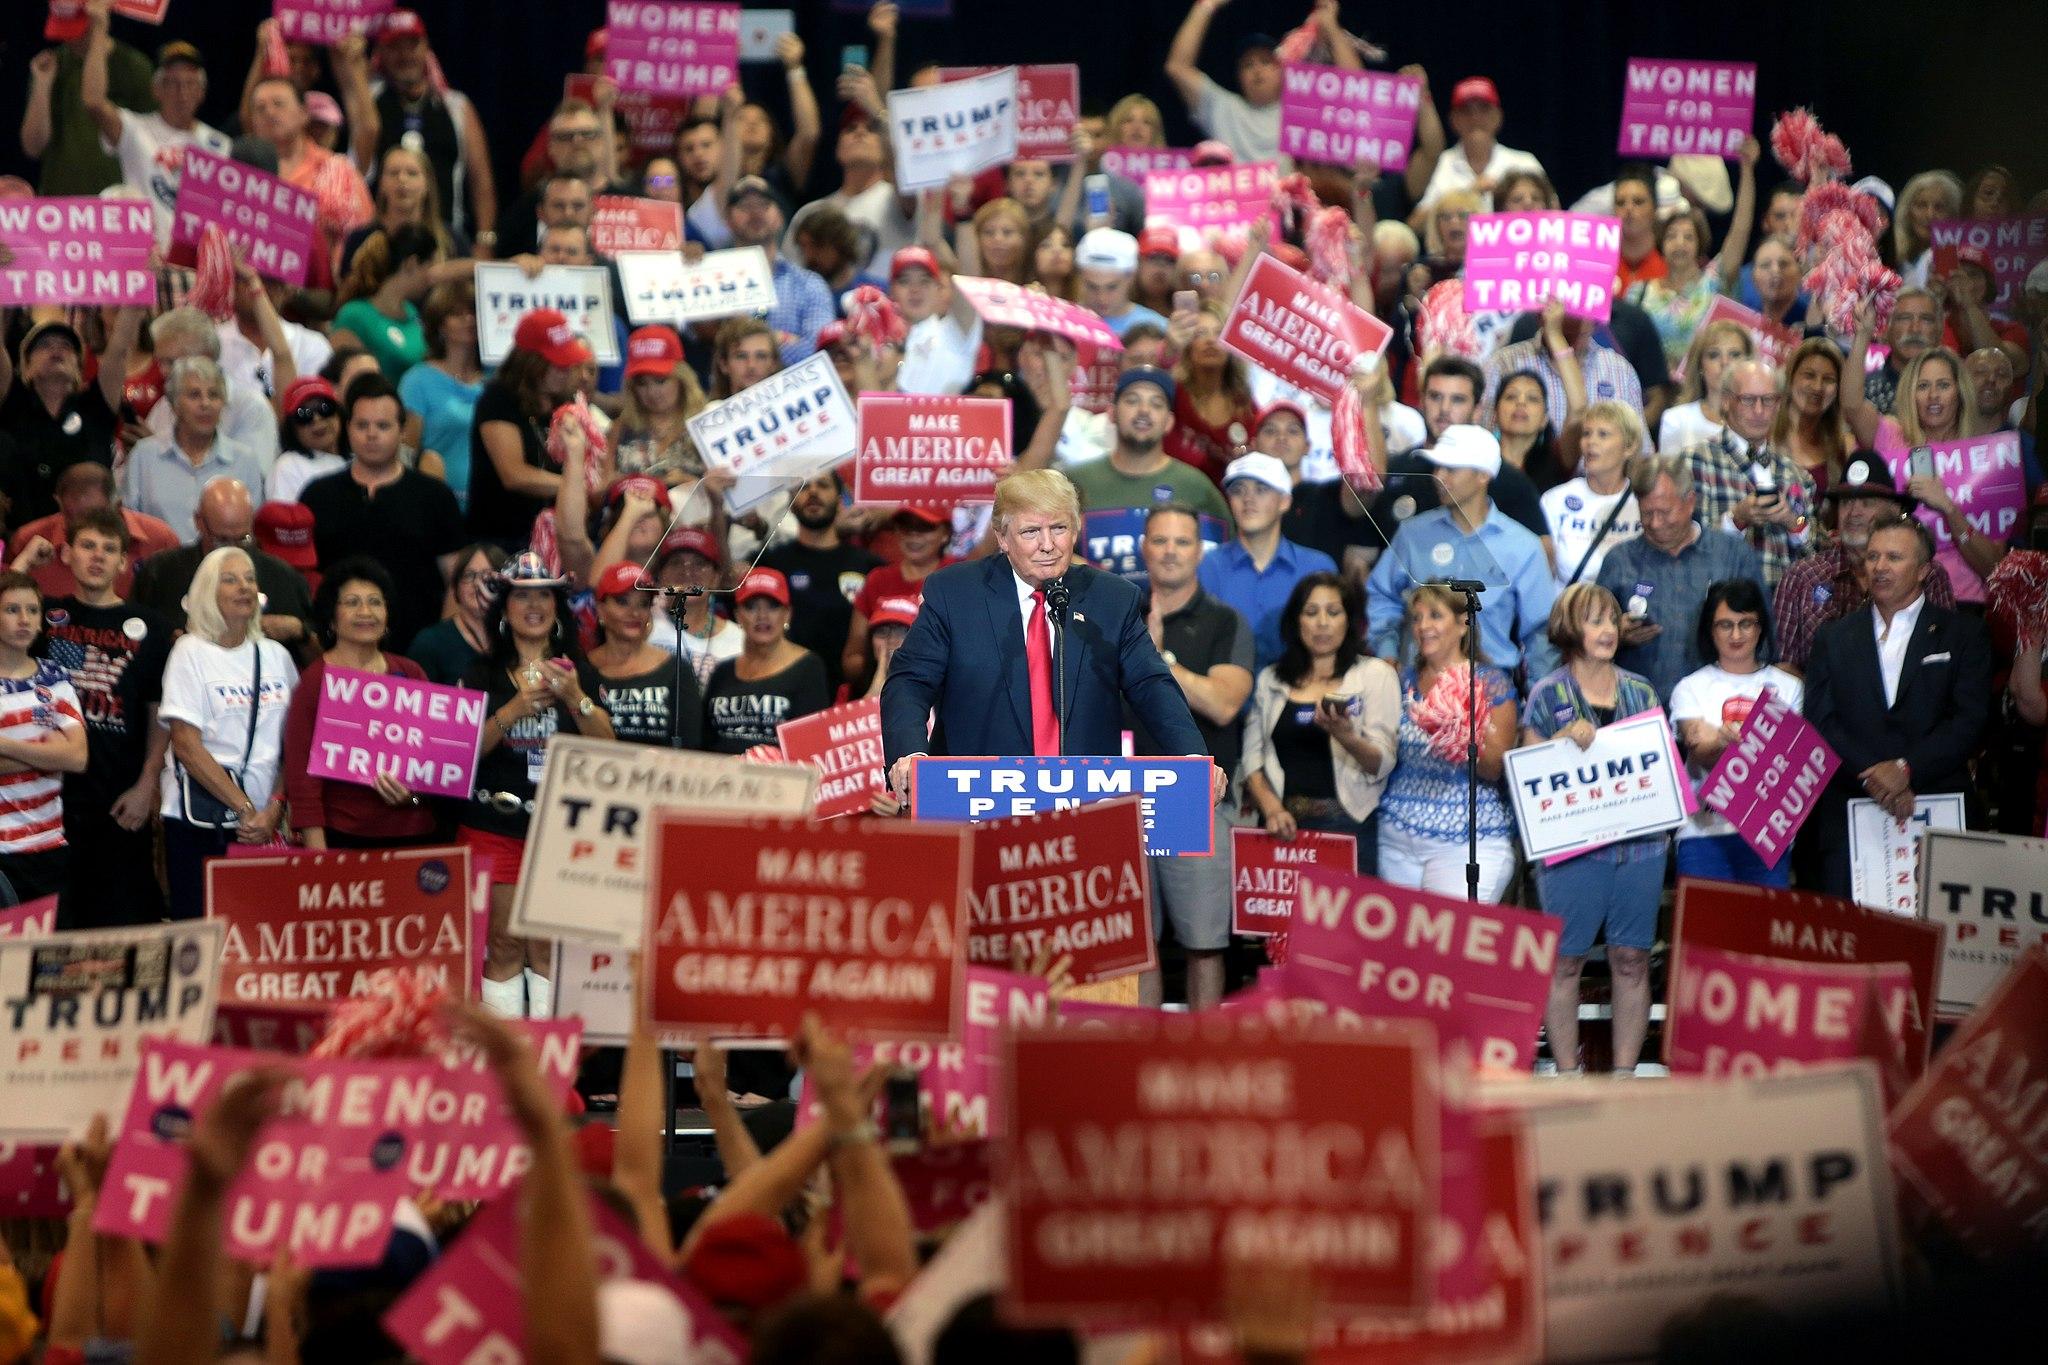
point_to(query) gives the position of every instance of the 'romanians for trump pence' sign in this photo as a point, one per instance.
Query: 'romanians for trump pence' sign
(753, 923)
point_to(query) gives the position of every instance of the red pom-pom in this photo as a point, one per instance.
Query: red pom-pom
(2016, 596)
(1294, 200)
(213, 289)
(1832, 197)
(1328, 241)
(342, 199)
(1451, 714)
(1349, 441)
(872, 314)
(276, 61)
(1805, 149)
(1444, 327)
(401, 1017)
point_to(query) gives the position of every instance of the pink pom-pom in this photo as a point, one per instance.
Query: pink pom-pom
(1294, 199)
(401, 1017)
(1444, 327)
(1829, 198)
(2016, 595)
(763, 753)
(1300, 43)
(1350, 443)
(872, 314)
(1805, 149)
(342, 200)
(1328, 242)
(213, 289)
(276, 61)
(1450, 714)
(1850, 272)
(578, 414)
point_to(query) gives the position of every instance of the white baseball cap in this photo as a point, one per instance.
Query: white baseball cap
(641, 1324)
(1107, 249)
(1266, 469)
(1466, 447)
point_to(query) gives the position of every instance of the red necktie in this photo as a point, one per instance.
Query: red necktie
(1045, 721)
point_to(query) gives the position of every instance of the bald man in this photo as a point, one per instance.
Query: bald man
(226, 516)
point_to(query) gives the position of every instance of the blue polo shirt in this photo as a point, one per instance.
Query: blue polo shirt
(1514, 615)
(1228, 574)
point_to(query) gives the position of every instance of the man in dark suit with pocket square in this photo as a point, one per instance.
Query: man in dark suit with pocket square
(1902, 691)
(979, 658)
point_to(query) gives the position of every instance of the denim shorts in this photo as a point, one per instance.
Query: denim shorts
(1615, 889)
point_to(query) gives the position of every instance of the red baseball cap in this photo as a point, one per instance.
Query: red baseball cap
(1279, 406)
(894, 611)
(693, 539)
(747, 1260)
(67, 20)
(646, 485)
(930, 516)
(914, 258)
(653, 350)
(594, 45)
(1977, 256)
(547, 334)
(762, 583)
(285, 529)
(308, 386)
(1475, 90)
(1159, 241)
(620, 580)
(401, 23)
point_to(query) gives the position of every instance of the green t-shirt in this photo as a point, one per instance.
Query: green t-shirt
(397, 345)
(73, 162)
(1103, 486)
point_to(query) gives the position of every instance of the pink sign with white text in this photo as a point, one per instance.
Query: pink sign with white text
(30, 919)
(1737, 1014)
(1003, 304)
(1675, 108)
(1135, 163)
(326, 22)
(78, 250)
(1339, 117)
(1771, 778)
(423, 734)
(1520, 261)
(2015, 245)
(1210, 201)
(273, 224)
(665, 48)
(1984, 476)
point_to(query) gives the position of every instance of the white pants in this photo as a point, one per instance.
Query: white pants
(1439, 865)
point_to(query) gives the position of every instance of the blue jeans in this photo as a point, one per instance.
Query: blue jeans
(1616, 888)
(1366, 831)
(1729, 858)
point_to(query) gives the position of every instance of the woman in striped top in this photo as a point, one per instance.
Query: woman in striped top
(42, 736)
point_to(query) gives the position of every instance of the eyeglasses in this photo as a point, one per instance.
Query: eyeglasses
(1757, 400)
(573, 134)
(1747, 625)
(661, 182)
(1201, 277)
(313, 409)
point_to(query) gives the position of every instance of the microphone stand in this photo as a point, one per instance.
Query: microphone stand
(1468, 590)
(676, 603)
(1056, 610)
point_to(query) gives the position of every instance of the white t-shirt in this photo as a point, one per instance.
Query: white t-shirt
(704, 655)
(1454, 172)
(1575, 514)
(248, 366)
(152, 157)
(1250, 131)
(938, 357)
(1402, 425)
(207, 687)
(1714, 695)
(1685, 425)
(295, 469)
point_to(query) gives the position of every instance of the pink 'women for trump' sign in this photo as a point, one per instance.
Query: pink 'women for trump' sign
(271, 222)
(666, 48)
(1225, 200)
(1338, 117)
(1771, 778)
(423, 734)
(1672, 108)
(78, 250)
(1520, 261)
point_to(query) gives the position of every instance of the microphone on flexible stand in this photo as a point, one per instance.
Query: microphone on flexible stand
(1056, 595)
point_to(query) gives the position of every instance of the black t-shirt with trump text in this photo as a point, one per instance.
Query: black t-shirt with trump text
(115, 659)
(738, 714)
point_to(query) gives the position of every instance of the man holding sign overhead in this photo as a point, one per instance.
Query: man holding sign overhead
(980, 658)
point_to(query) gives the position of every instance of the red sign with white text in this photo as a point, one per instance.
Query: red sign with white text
(1479, 973)
(652, 121)
(845, 745)
(753, 923)
(1070, 882)
(310, 929)
(931, 450)
(1048, 107)
(1139, 1154)
(30, 919)
(621, 223)
(1774, 340)
(1806, 927)
(1263, 870)
(1966, 1142)
(269, 1028)
(1736, 1014)
(1299, 331)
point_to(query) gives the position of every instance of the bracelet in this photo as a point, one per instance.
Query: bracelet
(859, 1135)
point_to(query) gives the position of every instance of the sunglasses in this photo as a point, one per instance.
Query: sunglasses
(1200, 277)
(313, 409)
(574, 135)
(661, 182)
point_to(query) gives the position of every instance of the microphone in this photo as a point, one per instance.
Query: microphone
(1056, 593)
(1463, 585)
(659, 591)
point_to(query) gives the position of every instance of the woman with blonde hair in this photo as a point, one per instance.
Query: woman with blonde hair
(1213, 408)
(227, 690)
(994, 243)
(1135, 121)
(1052, 261)
(662, 394)
(1809, 425)
(1927, 197)
(1697, 414)
(406, 196)
(1443, 237)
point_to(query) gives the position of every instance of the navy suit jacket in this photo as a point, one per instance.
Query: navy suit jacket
(964, 659)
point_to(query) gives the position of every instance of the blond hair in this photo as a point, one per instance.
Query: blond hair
(1574, 608)
(202, 599)
(1044, 491)
(1624, 417)
(1695, 380)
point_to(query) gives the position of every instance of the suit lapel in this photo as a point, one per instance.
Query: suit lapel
(1864, 668)
(1927, 635)
(1079, 628)
(1007, 629)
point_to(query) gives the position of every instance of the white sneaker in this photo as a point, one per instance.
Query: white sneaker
(540, 995)
(506, 998)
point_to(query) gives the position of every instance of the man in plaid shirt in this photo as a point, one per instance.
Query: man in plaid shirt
(1763, 496)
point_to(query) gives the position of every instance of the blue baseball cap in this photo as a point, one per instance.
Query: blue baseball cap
(1146, 374)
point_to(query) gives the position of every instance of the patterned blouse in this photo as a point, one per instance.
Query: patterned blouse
(1426, 795)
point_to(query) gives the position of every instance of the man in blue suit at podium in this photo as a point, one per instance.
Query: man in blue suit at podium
(981, 654)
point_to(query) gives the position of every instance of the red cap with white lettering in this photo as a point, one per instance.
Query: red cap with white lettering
(653, 350)
(547, 333)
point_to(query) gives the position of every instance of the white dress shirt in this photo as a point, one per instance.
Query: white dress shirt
(1892, 641)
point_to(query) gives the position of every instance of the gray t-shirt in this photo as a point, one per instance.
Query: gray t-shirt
(1253, 133)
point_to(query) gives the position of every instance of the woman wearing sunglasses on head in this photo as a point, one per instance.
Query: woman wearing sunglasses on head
(308, 438)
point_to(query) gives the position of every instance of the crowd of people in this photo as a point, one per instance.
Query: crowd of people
(206, 511)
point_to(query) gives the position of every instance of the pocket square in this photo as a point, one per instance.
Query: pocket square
(1940, 658)
(1081, 616)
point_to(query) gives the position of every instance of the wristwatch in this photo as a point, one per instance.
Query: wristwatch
(1167, 655)
(585, 706)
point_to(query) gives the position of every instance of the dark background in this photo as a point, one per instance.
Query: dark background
(1907, 86)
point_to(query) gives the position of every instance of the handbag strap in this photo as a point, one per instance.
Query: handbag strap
(255, 702)
(1627, 491)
